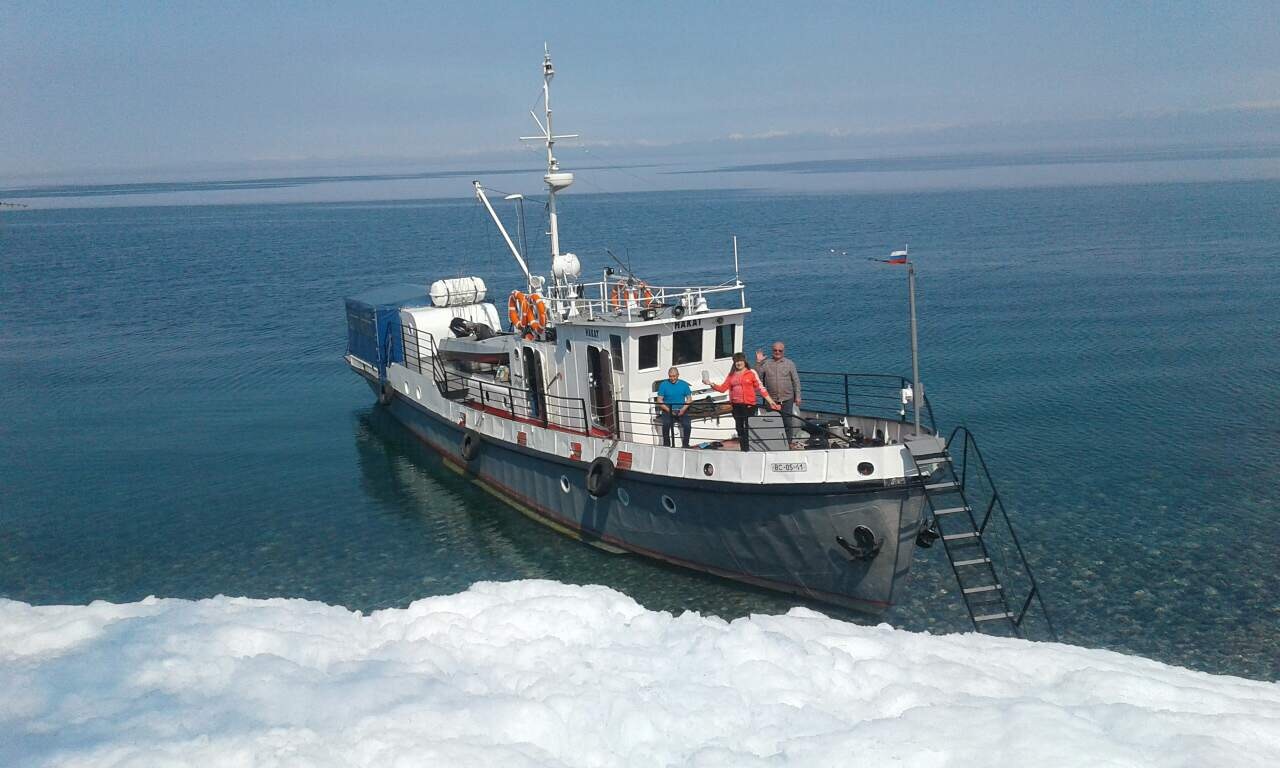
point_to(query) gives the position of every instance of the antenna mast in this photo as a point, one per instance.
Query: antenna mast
(555, 179)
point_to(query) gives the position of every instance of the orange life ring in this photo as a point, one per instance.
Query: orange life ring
(624, 294)
(619, 297)
(517, 309)
(645, 295)
(535, 317)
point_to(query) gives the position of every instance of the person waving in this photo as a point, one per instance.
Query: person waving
(742, 384)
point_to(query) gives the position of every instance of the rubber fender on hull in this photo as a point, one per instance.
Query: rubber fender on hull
(385, 393)
(471, 442)
(600, 476)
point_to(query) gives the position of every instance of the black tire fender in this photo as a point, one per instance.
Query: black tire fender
(471, 442)
(600, 476)
(385, 393)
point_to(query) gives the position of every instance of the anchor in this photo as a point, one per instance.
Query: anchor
(867, 546)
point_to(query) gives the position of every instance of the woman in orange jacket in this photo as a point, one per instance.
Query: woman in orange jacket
(742, 385)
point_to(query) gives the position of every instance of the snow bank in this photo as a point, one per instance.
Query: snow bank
(543, 674)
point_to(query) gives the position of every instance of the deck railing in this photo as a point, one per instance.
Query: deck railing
(825, 396)
(711, 421)
(630, 298)
(548, 410)
(877, 395)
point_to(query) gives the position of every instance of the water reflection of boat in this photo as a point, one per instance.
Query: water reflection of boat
(406, 478)
(554, 413)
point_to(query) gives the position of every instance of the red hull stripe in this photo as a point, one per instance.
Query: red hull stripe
(493, 410)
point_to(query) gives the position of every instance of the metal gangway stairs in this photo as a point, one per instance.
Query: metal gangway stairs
(967, 513)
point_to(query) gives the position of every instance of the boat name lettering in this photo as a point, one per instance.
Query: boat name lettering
(592, 333)
(790, 466)
(688, 324)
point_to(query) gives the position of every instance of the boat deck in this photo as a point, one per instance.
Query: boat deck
(712, 426)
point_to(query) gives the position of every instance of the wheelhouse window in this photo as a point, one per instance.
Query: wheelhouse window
(686, 346)
(615, 351)
(725, 338)
(648, 348)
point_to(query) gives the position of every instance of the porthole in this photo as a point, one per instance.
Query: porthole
(624, 497)
(564, 483)
(417, 392)
(669, 504)
(708, 470)
(866, 468)
(405, 387)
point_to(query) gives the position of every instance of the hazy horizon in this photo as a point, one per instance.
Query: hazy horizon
(136, 93)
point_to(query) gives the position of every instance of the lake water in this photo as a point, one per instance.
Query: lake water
(176, 418)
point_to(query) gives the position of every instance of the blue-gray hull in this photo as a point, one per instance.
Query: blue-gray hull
(779, 538)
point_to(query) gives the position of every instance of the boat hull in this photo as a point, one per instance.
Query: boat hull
(780, 538)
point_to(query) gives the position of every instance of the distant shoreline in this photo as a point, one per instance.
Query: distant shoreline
(949, 172)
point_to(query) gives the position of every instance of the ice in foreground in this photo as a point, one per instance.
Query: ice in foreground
(543, 674)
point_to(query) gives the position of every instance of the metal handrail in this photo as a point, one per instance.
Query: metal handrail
(876, 395)
(636, 296)
(557, 411)
(633, 417)
(997, 504)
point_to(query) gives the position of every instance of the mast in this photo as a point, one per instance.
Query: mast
(916, 393)
(555, 179)
(904, 257)
(553, 165)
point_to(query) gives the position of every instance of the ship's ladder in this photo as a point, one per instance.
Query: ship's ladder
(965, 511)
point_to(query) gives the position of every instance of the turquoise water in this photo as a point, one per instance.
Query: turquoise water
(176, 418)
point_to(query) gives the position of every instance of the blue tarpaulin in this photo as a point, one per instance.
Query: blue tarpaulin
(373, 323)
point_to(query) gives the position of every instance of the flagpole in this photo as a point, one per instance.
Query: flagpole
(903, 257)
(916, 393)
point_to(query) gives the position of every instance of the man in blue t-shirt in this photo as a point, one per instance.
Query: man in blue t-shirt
(674, 397)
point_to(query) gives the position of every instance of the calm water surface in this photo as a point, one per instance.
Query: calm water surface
(176, 418)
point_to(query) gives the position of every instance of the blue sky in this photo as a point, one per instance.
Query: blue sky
(137, 89)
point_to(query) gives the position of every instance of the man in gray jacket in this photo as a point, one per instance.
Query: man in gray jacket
(780, 377)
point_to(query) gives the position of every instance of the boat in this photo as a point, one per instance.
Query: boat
(550, 406)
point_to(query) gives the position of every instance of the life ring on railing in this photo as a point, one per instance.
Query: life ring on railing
(624, 294)
(535, 318)
(620, 296)
(517, 309)
(600, 476)
(645, 295)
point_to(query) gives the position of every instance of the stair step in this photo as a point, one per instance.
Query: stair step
(959, 536)
(987, 588)
(931, 458)
(975, 561)
(922, 446)
(945, 487)
(994, 616)
(996, 603)
(949, 511)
